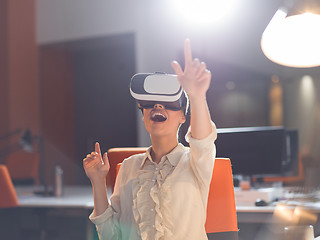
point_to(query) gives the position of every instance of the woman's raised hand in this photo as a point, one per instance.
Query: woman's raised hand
(196, 78)
(96, 166)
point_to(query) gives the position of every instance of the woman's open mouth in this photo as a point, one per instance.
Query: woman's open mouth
(158, 117)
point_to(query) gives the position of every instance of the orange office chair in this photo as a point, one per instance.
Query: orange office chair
(221, 223)
(221, 220)
(8, 195)
(9, 227)
(117, 155)
(23, 167)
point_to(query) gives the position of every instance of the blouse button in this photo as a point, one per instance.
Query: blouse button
(156, 169)
(153, 225)
(151, 209)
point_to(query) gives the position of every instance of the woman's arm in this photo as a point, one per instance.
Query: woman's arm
(97, 169)
(195, 80)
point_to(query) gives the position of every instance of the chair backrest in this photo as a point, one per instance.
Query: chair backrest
(117, 155)
(221, 208)
(8, 195)
(23, 167)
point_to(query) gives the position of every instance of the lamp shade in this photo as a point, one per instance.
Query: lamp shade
(293, 40)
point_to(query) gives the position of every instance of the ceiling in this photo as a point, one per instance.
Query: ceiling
(238, 42)
(159, 29)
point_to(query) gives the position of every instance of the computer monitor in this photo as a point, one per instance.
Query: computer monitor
(253, 151)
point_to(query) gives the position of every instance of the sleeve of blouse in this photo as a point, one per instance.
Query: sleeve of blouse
(202, 156)
(107, 224)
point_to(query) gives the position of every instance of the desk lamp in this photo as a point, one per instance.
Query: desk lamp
(24, 143)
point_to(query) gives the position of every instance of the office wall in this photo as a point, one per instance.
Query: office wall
(159, 40)
(302, 111)
(85, 99)
(4, 98)
(19, 87)
(158, 28)
(57, 113)
(104, 109)
(23, 66)
(160, 32)
(62, 21)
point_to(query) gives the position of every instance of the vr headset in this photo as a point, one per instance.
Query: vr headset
(151, 88)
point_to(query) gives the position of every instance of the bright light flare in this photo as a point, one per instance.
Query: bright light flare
(293, 41)
(203, 11)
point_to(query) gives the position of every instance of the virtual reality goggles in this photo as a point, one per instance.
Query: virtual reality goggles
(152, 88)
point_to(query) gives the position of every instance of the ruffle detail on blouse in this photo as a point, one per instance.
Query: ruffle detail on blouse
(146, 190)
(163, 221)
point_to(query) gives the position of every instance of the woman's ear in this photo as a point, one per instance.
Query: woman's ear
(183, 118)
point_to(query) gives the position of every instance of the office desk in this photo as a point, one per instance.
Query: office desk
(267, 214)
(78, 201)
(73, 197)
(252, 214)
(296, 203)
(265, 223)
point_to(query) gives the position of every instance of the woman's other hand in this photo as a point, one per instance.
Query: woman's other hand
(96, 166)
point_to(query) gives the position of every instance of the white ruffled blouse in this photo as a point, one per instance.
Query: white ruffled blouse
(165, 201)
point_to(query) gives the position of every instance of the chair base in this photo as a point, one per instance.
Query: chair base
(232, 235)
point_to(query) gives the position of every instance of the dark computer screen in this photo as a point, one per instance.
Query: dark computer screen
(253, 151)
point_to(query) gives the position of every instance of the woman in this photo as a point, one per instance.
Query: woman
(163, 193)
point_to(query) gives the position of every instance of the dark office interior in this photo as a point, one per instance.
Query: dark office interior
(65, 70)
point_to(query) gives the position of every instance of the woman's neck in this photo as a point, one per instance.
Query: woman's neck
(161, 147)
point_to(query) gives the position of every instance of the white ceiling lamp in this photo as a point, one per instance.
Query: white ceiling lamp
(292, 38)
(204, 11)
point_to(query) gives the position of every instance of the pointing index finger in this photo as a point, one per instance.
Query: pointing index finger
(97, 148)
(187, 52)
